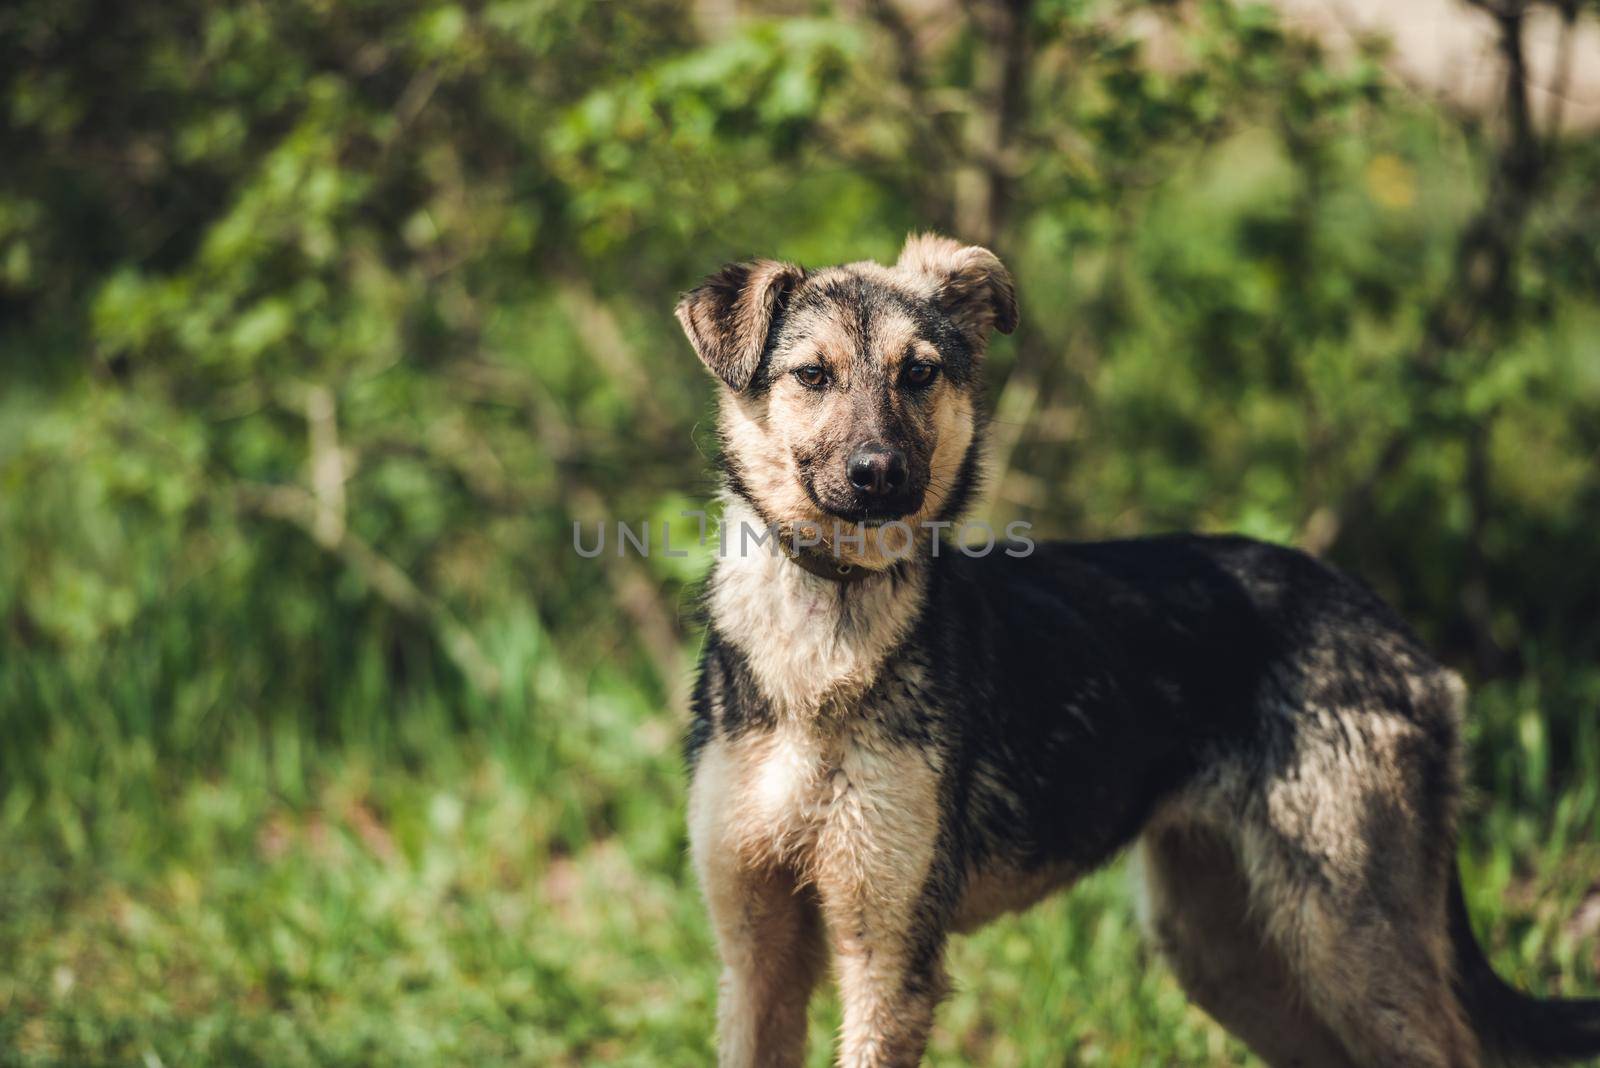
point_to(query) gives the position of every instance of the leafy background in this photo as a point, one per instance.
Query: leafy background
(322, 323)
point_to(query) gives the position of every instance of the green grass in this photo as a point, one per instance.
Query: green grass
(519, 895)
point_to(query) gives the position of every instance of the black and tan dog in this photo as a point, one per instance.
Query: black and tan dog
(889, 747)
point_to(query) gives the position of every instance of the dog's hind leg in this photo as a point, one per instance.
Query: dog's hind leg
(1346, 839)
(1197, 910)
(1376, 972)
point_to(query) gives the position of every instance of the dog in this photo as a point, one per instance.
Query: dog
(891, 743)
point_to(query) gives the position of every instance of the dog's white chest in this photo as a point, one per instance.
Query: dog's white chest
(789, 782)
(850, 801)
(794, 784)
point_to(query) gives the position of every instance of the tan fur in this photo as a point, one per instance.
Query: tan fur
(873, 855)
(954, 273)
(768, 931)
(954, 425)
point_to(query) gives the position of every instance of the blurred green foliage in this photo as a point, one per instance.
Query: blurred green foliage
(320, 325)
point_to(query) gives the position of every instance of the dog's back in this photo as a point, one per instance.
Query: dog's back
(1101, 679)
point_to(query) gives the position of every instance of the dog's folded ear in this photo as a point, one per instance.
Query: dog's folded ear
(969, 282)
(729, 315)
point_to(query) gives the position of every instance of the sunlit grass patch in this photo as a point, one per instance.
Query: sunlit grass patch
(443, 914)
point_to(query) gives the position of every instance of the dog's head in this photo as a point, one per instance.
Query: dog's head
(851, 391)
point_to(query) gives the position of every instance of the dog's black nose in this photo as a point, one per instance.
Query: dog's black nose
(876, 469)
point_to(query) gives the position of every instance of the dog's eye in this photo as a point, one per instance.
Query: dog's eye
(812, 376)
(919, 374)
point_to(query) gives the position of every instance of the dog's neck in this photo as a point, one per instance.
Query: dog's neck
(814, 645)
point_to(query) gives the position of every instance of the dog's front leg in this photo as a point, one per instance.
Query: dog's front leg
(877, 874)
(768, 930)
(891, 977)
(770, 938)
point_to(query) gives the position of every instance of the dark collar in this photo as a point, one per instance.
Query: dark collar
(827, 566)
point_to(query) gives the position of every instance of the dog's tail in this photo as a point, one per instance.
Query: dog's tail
(1517, 1027)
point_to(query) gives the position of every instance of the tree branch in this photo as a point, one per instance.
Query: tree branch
(984, 183)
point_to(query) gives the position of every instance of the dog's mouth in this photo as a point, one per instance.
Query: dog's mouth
(875, 515)
(856, 509)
